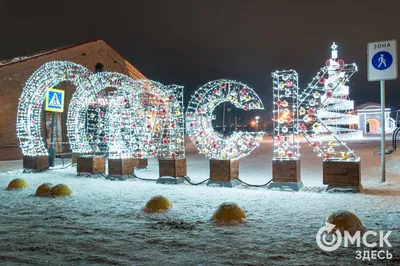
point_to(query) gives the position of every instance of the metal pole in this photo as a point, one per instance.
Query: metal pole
(383, 118)
(229, 120)
(236, 124)
(51, 149)
(223, 120)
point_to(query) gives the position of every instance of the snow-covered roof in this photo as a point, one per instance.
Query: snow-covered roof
(367, 105)
(19, 59)
(132, 71)
(24, 58)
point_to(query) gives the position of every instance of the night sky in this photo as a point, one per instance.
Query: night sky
(190, 42)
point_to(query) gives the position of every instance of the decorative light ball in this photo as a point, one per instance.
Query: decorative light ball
(316, 126)
(229, 213)
(285, 104)
(44, 190)
(307, 119)
(60, 190)
(316, 95)
(345, 221)
(285, 145)
(302, 111)
(331, 143)
(158, 204)
(281, 85)
(311, 102)
(285, 129)
(344, 155)
(17, 183)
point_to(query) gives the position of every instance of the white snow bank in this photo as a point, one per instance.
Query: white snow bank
(102, 223)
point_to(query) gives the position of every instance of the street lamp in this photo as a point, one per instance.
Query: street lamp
(257, 118)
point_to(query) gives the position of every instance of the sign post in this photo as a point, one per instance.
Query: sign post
(382, 66)
(54, 103)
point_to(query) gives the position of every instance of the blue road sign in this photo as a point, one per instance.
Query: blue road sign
(54, 100)
(382, 60)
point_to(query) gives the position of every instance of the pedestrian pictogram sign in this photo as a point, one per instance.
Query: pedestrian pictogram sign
(382, 60)
(54, 100)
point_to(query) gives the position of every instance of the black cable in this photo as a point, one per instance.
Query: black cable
(195, 184)
(61, 167)
(144, 179)
(103, 175)
(266, 184)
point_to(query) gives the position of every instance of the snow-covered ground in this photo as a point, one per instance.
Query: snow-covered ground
(102, 223)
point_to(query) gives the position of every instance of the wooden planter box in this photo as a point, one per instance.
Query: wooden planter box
(172, 167)
(36, 162)
(224, 170)
(122, 166)
(91, 164)
(140, 163)
(342, 173)
(285, 170)
(75, 157)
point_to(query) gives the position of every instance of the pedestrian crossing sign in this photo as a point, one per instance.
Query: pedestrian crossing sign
(54, 100)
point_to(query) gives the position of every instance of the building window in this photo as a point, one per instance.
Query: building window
(98, 68)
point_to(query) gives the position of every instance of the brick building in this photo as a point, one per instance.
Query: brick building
(14, 73)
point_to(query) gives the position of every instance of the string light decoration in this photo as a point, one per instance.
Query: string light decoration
(285, 92)
(199, 120)
(138, 120)
(88, 125)
(172, 145)
(317, 96)
(31, 102)
(146, 124)
(121, 124)
(95, 119)
(87, 94)
(336, 110)
(155, 112)
(134, 121)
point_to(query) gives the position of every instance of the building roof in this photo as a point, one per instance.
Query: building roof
(20, 59)
(367, 105)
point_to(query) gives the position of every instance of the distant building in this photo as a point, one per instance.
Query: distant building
(96, 55)
(369, 118)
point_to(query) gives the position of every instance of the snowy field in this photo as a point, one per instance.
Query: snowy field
(102, 223)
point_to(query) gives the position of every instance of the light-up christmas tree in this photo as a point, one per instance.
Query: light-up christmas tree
(316, 118)
(336, 107)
